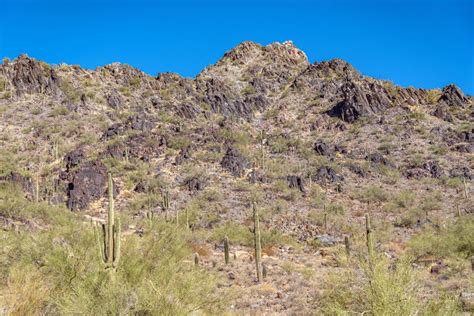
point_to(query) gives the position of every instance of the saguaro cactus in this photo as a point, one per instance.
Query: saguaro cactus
(110, 247)
(258, 246)
(348, 245)
(196, 259)
(369, 241)
(166, 203)
(226, 250)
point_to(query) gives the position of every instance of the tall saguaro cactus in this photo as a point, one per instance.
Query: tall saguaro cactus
(226, 250)
(258, 246)
(110, 247)
(369, 241)
(166, 203)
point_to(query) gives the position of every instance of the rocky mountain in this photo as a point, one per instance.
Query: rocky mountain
(303, 139)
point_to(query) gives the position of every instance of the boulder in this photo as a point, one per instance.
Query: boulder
(234, 162)
(323, 149)
(296, 182)
(87, 184)
(360, 99)
(32, 76)
(327, 174)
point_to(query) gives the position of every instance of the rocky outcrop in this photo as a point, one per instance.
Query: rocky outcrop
(327, 174)
(323, 149)
(222, 99)
(115, 100)
(74, 158)
(296, 182)
(235, 162)
(452, 96)
(85, 185)
(360, 100)
(30, 76)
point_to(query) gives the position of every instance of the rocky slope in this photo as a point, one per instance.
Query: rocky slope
(262, 123)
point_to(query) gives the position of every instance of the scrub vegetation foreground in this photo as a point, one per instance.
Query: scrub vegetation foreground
(264, 185)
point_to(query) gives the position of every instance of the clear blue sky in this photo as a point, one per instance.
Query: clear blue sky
(425, 44)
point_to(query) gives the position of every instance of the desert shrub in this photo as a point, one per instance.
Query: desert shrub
(56, 270)
(59, 110)
(237, 233)
(454, 240)
(400, 201)
(385, 288)
(371, 194)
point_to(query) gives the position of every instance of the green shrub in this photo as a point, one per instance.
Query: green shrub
(55, 268)
(454, 240)
(371, 194)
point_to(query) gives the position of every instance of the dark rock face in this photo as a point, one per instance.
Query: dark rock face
(31, 76)
(315, 76)
(323, 149)
(225, 101)
(87, 184)
(327, 175)
(115, 151)
(112, 130)
(115, 100)
(359, 100)
(139, 123)
(144, 147)
(74, 158)
(188, 110)
(234, 162)
(378, 159)
(453, 96)
(357, 170)
(296, 182)
(467, 142)
(194, 184)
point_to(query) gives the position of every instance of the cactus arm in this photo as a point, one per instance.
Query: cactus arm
(117, 230)
(99, 243)
(258, 247)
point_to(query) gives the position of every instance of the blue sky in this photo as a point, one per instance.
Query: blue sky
(424, 44)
